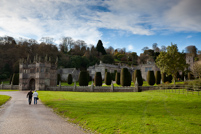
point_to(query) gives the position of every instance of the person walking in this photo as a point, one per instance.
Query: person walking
(29, 96)
(35, 95)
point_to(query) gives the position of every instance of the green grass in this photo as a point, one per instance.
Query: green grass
(3, 99)
(5, 90)
(145, 112)
(6, 82)
(177, 83)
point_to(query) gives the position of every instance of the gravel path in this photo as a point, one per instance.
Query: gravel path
(17, 117)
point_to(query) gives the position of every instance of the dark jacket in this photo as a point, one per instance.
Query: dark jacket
(30, 94)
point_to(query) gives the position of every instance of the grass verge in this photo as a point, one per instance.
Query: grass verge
(5, 90)
(3, 99)
(144, 112)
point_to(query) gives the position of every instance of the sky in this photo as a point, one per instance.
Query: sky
(130, 24)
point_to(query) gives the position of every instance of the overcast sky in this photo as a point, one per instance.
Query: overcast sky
(132, 24)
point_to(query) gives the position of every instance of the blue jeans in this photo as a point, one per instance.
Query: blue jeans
(35, 100)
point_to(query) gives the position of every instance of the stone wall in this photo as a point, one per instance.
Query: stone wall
(2, 86)
(87, 88)
(92, 88)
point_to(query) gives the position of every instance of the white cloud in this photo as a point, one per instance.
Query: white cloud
(130, 47)
(184, 16)
(189, 36)
(80, 19)
(46, 18)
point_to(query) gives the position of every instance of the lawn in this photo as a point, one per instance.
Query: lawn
(6, 90)
(3, 99)
(134, 112)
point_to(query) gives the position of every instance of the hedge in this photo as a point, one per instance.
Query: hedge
(158, 77)
(137, 74)
(83, 78)
(70, 79)
(117, 78)
(125, 77)
(169, 78)
(164, 78)
(150, 78)
(98, 79)
(107, 78)
(58, 78)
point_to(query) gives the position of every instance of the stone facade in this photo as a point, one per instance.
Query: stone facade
(102, 67)
(150, 66)
(37, 76)
(147, 67)
(64, 72)
(109, 67)
(190, 61)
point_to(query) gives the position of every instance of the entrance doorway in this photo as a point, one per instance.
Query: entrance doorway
(32, 84)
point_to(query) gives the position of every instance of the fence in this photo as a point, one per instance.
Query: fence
(180, 89)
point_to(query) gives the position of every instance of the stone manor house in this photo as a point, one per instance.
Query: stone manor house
(150, 66)
(110, 68)
(39, 75)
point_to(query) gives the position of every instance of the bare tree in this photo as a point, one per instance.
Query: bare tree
(6, 40)
(196, 69)
(163, 48)
(47, 40)
(32, 41)
(145, 48)
(110, 50)
(155, 47)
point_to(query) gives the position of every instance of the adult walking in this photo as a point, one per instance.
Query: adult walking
(35, 95)
(29, 96)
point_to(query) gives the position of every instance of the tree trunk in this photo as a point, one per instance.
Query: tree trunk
(174, 79)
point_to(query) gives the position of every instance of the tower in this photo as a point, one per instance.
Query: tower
(37, 75)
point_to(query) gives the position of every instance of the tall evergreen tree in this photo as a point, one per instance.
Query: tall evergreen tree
(100, 48)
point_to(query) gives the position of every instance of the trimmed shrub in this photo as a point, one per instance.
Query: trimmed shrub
(112, 76)
(164, 78)
(115, 71)
(150, 78)
(58, 78)
(83, 78)
(98, 79)
(125, 77)
(158, 77)
(15, 79)
(117, 78)
(70, 79)
(107, 78)
(169, 78)
(90, 78)
(137, 74)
